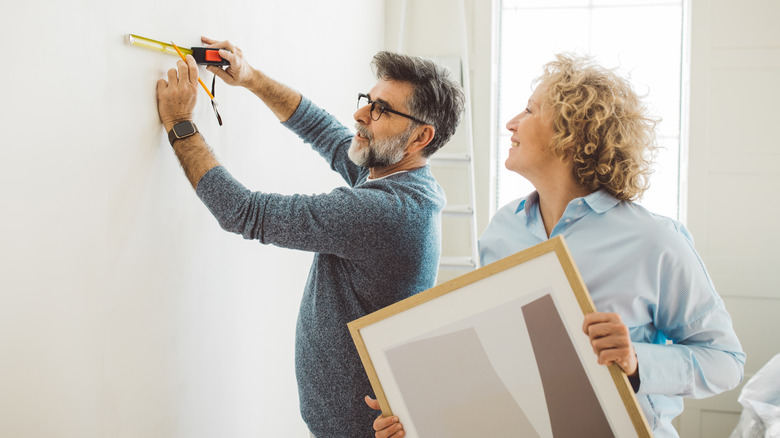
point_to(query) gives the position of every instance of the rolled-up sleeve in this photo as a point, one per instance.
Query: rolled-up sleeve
(706, 357)
(706, 360)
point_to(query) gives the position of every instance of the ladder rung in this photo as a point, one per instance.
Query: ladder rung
(450, 158)
(457, 262)
(458, 210)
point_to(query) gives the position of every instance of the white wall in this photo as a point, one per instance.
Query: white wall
(125, 311)
(734, 177)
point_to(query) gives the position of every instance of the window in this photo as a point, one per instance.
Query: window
(644, 38)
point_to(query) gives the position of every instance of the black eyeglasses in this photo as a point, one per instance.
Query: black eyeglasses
(377, 109)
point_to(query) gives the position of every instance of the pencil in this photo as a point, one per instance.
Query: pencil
(199, 79)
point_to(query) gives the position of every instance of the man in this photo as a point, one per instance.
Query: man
(376, 242)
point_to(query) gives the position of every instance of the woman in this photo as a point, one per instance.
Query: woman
(586, 143)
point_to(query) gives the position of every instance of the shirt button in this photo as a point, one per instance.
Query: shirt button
(568, 220)
(580, 203)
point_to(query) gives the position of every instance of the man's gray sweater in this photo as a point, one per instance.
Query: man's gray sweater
(375, 242)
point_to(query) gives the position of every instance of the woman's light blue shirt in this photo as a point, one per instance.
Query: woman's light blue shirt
(643, 267)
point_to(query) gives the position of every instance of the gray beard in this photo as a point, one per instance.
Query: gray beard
(380, 153)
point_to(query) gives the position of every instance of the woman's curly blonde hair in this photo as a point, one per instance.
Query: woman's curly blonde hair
(600, 124)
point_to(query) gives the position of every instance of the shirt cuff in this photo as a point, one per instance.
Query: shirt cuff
(664, 369)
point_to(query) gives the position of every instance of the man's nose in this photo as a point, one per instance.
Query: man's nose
(363, 114)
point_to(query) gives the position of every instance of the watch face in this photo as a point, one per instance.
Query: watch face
(183, 129)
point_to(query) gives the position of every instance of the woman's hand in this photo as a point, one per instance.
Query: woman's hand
(611, 342)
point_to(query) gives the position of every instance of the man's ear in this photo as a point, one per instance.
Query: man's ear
(421, 137)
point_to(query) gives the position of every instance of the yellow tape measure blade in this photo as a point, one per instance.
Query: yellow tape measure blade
(148, 43)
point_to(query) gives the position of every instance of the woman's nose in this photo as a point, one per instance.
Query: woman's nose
(510, 125)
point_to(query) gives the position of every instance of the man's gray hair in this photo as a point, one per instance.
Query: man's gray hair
(436, 98)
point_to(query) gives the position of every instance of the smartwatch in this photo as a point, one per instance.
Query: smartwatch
(182, 130)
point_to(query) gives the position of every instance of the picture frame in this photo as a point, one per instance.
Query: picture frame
(498, 352)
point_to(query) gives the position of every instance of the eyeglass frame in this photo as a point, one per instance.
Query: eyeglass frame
(383, 109)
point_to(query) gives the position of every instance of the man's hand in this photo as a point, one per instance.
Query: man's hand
(385, 427)
(239, 73)
(279, 98)
(176, 97)
(610, 340)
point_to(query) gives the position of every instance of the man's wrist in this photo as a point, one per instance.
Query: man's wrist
(168, 124)
(257, 82)
(181, 130)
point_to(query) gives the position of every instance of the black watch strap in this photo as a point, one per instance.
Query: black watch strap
(182, 130)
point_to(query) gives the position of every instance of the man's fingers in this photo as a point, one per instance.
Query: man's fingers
(222, 74)
(161, 85)
(173, 78)
(184, 73)
(186, 70)
(192, 68)
(228, 56)
(226, 48)
(214, 44)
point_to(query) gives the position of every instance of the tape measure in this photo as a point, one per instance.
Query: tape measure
(202, 55)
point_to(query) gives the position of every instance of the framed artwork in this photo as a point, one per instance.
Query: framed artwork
(498, 352)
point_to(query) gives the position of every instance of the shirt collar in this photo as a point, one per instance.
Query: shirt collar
(599, 201)
(528, 202)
